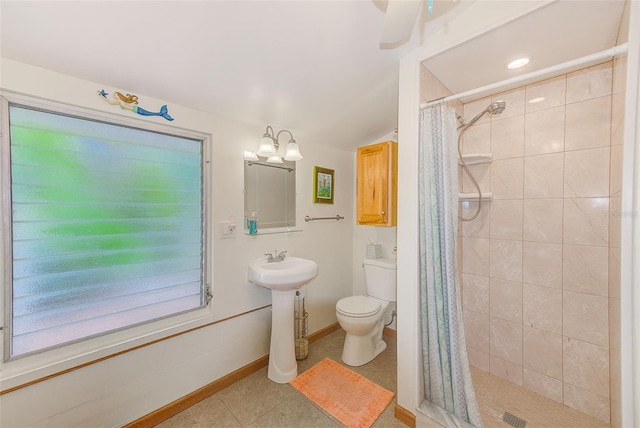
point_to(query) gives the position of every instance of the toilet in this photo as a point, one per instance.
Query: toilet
(363, 317)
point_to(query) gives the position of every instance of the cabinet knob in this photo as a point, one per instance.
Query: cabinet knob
(381, 212)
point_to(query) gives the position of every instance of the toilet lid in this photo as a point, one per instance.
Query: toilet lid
(358, 306)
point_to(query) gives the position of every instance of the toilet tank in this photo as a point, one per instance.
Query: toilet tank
(380, 278)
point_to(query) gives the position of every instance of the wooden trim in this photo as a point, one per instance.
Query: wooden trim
(405, 416)
(313, 337)
(390, 332)
(98, 360)
(181, 404)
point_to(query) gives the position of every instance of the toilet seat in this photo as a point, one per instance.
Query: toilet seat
(358, 306)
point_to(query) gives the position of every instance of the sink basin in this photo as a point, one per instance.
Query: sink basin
(283, 279)
(289, 274)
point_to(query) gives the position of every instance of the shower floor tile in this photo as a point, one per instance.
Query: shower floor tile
(497, 396)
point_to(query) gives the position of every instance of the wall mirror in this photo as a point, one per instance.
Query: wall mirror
(270, 192)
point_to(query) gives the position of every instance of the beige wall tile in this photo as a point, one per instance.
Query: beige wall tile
(479, 227)
(614, 273)
(586, 221)
(586, 366)
(588, 124)
(542, 264)
(475, 258)
(543, 176)
(617, 119)
(515, 103)
(506, 219)
(586, 173)
(614, 375)
(506, 340)
(586, 402)
(475, 296)
(552, 90)
(506, 370)
(542, 352)
(614, 324)
(619, 74)
(505, 259)
(592, 82)
(585, 317)
(615, 216)
(471, 109)
(544, 131)
(478, 359)
(543, 385)
(585, 269)
(616, 414)
(430, 86)
(615, 171)
(505, 300)
(542, 308)
(507, 178)
(477, 139)
(507, 137)
(482, 174)
(543, 220)
(476, 330)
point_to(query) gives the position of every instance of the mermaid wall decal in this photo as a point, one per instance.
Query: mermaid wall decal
(129, 102)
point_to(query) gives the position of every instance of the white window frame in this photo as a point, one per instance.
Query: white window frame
(31, 368)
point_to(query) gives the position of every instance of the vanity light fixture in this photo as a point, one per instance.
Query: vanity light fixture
(269, 146)
(518, 63)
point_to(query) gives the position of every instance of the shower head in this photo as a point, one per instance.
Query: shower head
(497, 107)
(493, 108)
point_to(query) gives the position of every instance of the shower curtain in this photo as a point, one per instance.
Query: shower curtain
(447, 379)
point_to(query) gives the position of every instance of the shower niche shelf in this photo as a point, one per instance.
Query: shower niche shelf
(470, 197)
(476, 158)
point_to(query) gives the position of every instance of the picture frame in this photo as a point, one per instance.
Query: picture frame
(323, 185)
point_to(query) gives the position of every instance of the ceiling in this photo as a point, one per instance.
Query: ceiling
(314, 67)
(553, 34)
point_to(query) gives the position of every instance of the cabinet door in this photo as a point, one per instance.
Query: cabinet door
(373, 184)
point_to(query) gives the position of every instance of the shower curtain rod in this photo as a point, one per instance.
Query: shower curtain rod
(616, 50)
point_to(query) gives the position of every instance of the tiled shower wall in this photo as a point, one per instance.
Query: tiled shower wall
(615, 214)
(535, 263)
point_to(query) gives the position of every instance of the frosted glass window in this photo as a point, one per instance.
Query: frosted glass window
(106, 227)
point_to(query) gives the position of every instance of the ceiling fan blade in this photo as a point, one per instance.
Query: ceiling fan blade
(399, 20)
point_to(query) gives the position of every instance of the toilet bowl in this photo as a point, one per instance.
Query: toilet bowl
(362, 317)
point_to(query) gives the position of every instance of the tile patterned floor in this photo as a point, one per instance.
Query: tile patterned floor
(255, 401)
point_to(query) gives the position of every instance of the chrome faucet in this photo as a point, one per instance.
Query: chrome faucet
(277, 258)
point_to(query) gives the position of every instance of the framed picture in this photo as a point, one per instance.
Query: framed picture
(323, 187)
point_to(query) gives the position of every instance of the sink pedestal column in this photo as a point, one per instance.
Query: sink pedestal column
(282, 354)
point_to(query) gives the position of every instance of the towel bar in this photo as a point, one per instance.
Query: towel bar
(309, 218)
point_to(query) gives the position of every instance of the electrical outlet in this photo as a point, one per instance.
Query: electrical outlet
(227, 230)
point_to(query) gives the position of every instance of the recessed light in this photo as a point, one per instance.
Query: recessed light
(536, 100)
(517, 63)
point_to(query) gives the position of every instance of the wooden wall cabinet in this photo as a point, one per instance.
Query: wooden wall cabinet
(377, 184)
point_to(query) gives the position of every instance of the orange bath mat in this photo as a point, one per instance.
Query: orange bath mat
(350, 398)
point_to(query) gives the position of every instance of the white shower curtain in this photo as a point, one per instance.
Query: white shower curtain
(447, 379)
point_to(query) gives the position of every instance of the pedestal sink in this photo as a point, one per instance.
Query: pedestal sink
(283, 278)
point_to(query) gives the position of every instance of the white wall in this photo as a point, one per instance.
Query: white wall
(121, 389)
